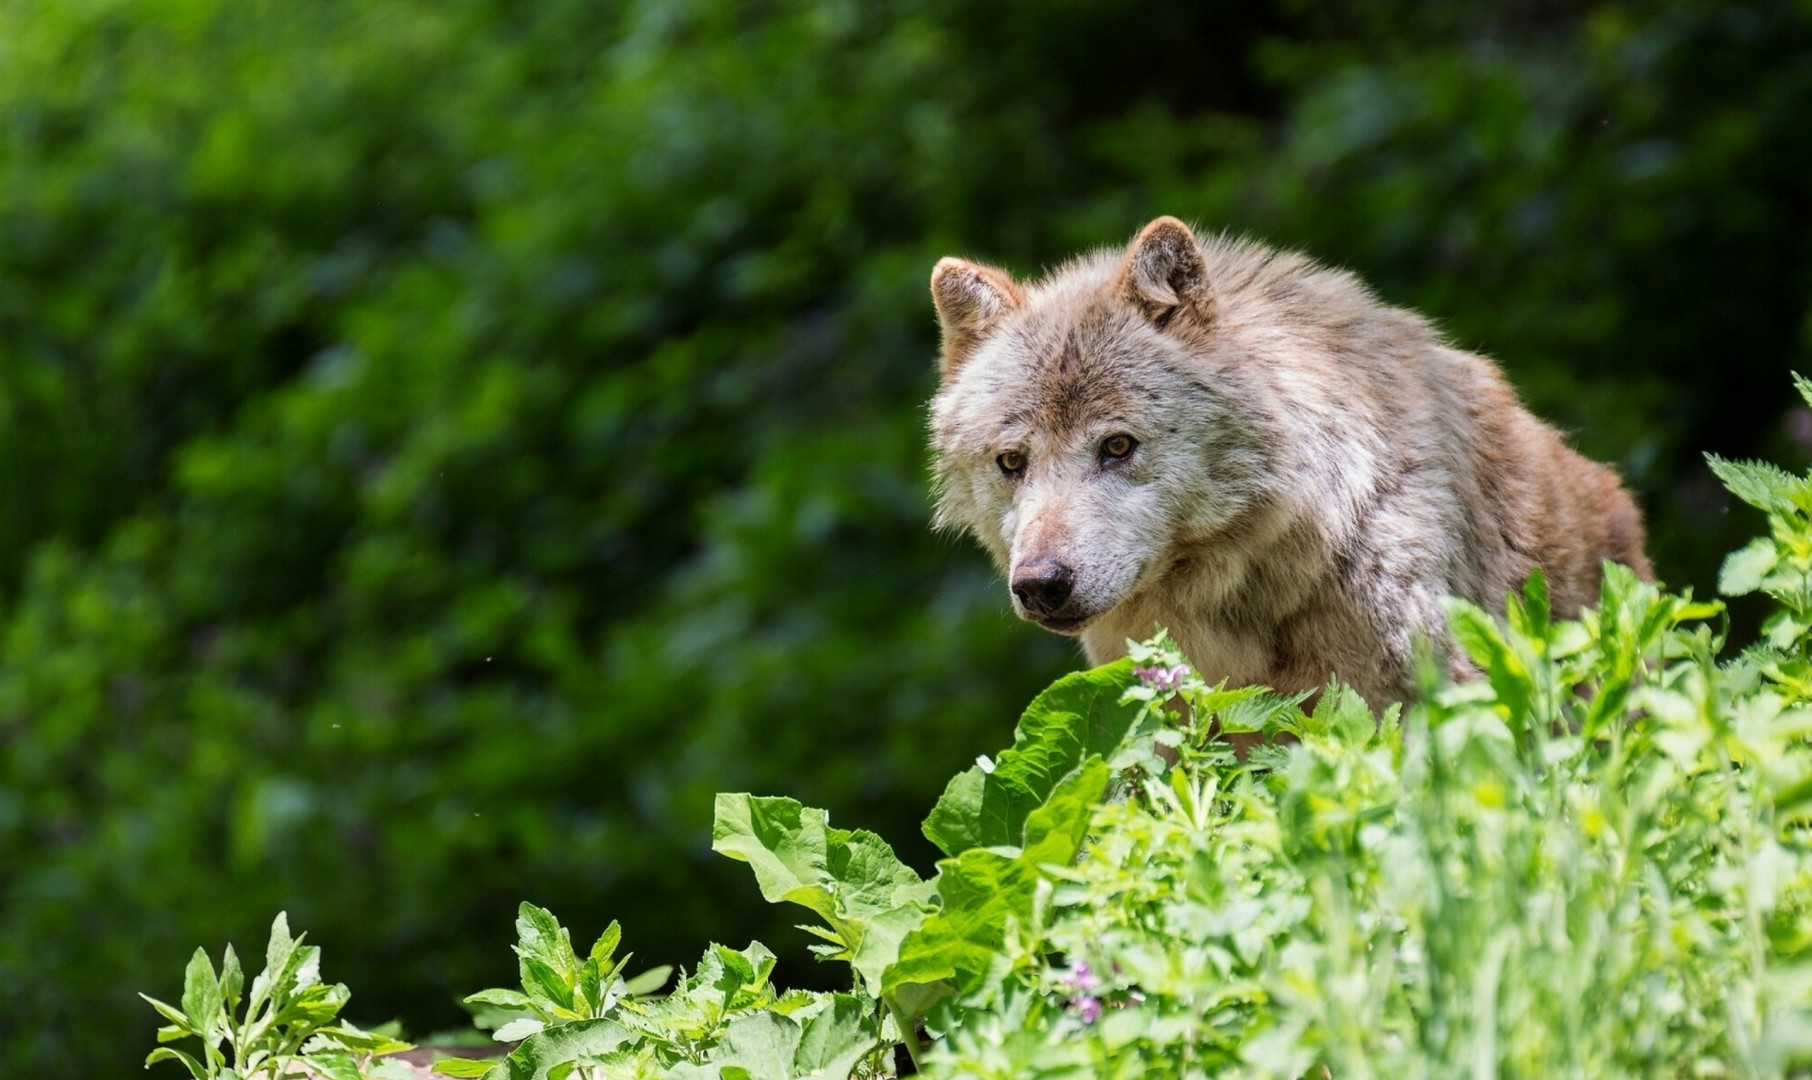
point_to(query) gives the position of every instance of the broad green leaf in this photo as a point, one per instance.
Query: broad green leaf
(836, 1039)
(983, 887)
(1080, 715)
(582, 1040)
(851, 879)
(762, 1043)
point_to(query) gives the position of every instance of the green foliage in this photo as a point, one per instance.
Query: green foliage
(1080, 716)
(851, 880)
(558, 987)
(444, 444)
(725, 1016)
(987, 892)
(1593, 861)
(287, 1024)
(1779, 564)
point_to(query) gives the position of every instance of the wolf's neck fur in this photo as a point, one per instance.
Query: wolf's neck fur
(1224, 597)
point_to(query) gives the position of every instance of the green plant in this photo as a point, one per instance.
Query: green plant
(287, 1028)
(1593, 861)
(583, 1019)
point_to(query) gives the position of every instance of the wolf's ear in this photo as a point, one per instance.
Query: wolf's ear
(971, 300)
(1166, 273)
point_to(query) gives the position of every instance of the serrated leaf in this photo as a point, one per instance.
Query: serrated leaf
(1745, 568)
(1248, 709)
(1082, 714)
(1341, 714)
(1758, 483)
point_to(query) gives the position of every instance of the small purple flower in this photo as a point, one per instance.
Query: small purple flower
(1079, 979)
(1161, 678)
(1080, 982)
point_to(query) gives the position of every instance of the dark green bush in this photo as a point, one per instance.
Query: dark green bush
(442, 444)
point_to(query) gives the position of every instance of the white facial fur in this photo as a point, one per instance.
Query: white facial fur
(1054, 381)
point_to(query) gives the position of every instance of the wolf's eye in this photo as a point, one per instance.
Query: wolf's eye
(1117, 447)
(1012, 462)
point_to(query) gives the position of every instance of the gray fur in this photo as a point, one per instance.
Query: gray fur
(1314, 469)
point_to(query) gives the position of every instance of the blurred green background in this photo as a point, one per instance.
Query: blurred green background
(442, 443)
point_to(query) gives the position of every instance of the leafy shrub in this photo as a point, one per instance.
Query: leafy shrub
(1593, 862)
(287, 1026)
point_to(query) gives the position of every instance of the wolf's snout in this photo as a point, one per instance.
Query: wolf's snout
(1043, 586)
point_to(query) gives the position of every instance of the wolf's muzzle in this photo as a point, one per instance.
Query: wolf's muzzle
(1043, 587)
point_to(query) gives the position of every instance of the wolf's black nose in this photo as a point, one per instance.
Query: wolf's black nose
(1043, 586)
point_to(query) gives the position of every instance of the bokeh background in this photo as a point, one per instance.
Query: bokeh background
(442, 442)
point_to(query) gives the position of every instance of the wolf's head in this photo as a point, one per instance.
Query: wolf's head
(1093, 428)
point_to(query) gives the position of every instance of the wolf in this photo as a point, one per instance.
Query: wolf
(1251, 450)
